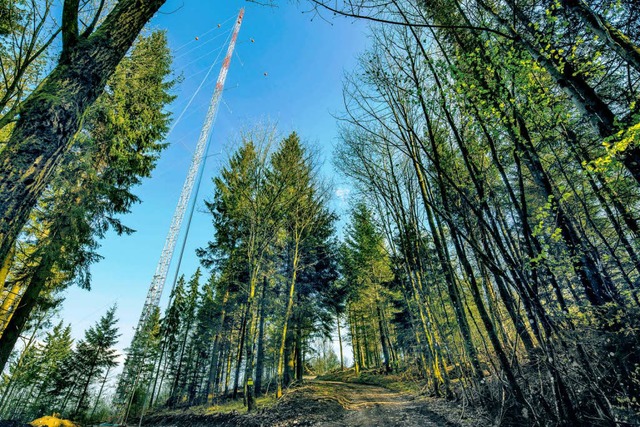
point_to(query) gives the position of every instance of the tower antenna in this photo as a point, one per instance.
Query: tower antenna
(136, 355)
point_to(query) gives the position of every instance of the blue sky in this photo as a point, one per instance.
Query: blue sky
(304, 57)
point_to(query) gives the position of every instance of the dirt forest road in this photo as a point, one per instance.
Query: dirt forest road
(369, 406)
(337, 404)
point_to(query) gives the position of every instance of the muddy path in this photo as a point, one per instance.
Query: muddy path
(337, 404)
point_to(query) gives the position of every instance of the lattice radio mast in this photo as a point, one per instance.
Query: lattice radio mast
(131, 373)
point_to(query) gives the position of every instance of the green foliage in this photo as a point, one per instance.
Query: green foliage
(117, 147)
(94, 355)
(272, 233)
(26, 37)
(365, 259)
(366, 268)
(172, 320)
(511, 228)
(7, 17)
(54, 376)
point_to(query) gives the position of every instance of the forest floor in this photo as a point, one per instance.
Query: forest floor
(323, 403)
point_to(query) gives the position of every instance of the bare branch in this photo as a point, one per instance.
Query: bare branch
(96, 19)
(353, 14)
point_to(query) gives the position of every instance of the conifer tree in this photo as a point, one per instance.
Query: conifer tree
(135, 383)
(273, 259)
(366, 268)
(94, 355)
(302, 210)
(202, 340)
(170, 323)
(57, 348)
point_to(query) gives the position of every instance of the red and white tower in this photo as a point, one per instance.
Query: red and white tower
(137, 353)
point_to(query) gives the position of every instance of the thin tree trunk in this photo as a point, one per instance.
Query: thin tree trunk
(383, 340)
(106, 376)
(340, 341)
(8, 388)
(83, 393)
(287, 316)
(215, 351)
(178, 379)
(260, 351)
(299, 351)
(355, 347)
(227, 378)
(614, 38)
(486, 321)
(241, 343)
(251, 336)
(28, 302)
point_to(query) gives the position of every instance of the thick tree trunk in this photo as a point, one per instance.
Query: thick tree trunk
(29, 300)
(11, 298)
(52, 114)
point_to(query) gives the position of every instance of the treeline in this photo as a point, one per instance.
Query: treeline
(50, 374)
(247, 329)
(495, 147)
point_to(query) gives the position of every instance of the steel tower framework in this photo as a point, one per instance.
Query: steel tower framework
(160, 276)
(131, 372)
